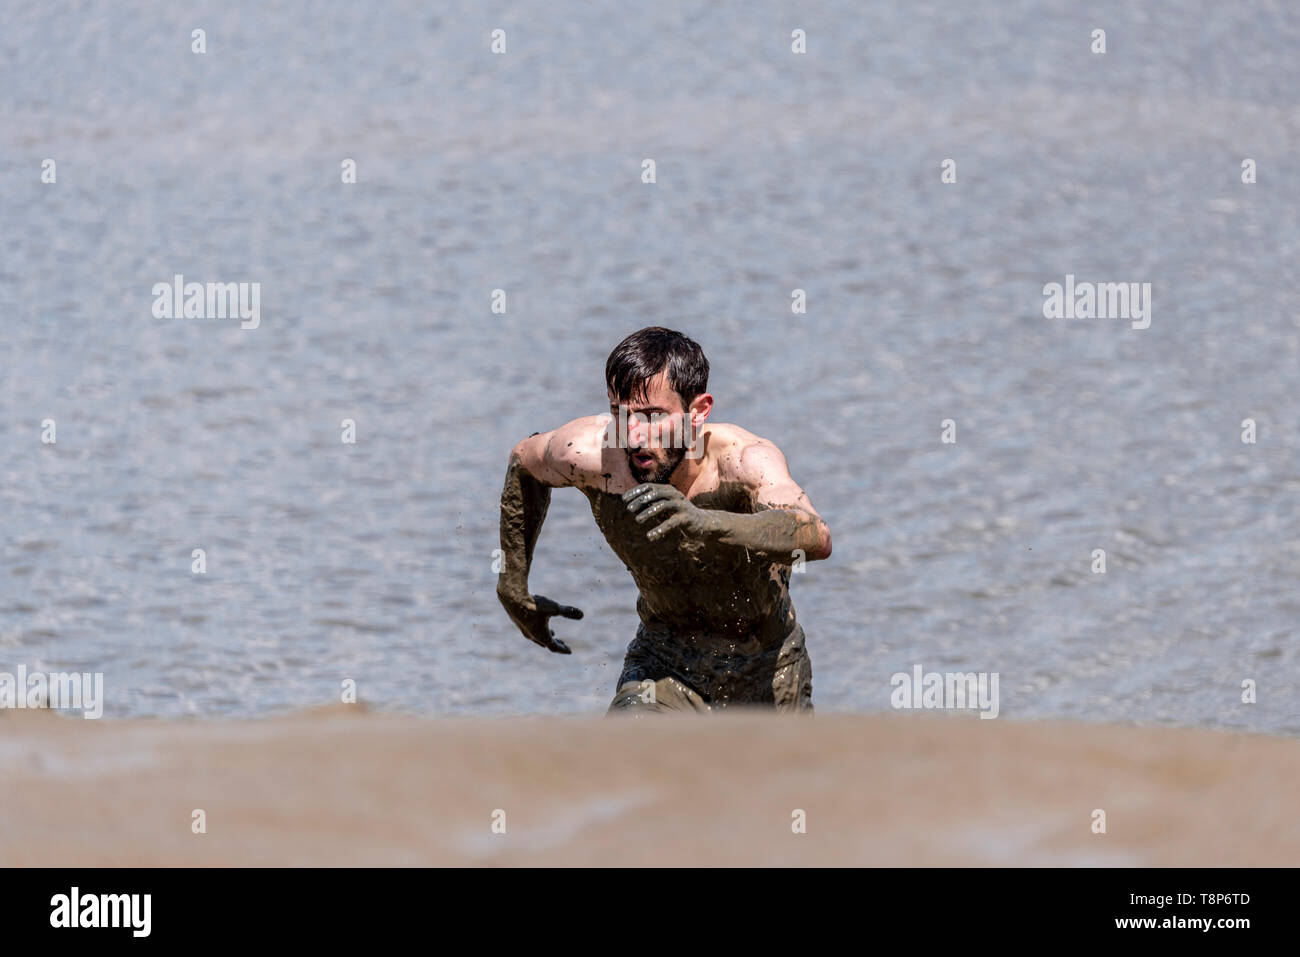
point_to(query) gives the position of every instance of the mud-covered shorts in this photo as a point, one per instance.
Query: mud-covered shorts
(662, 675)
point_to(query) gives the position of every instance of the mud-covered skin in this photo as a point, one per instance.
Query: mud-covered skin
(716, 617)
(524, 503)
(640, 695)
(710, 550)
(687, 679)
(774, 535)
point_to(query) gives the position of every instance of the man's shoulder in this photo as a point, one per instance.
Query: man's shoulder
(576, 449)
(740, 453)
(583, 433)
(728, 434)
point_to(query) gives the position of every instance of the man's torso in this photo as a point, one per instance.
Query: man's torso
(692, 592)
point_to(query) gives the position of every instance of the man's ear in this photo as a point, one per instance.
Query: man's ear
(700, 408)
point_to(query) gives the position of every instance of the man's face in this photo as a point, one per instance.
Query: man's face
(658, 430)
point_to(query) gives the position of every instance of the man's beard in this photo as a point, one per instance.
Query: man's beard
(660, 473)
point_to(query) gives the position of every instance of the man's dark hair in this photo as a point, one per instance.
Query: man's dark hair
(644, 354)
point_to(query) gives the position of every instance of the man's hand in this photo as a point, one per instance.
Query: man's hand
(670, 509)
(532, 614)
(775, 534)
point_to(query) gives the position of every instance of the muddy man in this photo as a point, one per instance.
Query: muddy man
(706, 518)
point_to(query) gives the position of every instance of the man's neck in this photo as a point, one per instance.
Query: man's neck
(688, 469)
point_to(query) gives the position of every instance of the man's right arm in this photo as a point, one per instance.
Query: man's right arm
(533, 471)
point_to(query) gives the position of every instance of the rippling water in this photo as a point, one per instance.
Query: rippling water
(775, 171)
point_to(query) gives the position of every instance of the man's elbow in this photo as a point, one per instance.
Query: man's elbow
(529, 452)
(522, 446)
(823, 542)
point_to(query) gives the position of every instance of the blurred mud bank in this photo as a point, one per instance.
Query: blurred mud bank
(349, 787)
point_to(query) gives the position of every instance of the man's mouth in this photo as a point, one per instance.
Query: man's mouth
(642, 461)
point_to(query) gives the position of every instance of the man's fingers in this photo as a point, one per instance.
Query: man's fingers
(634, 492)
(543, 634)
(546, 638)
(651, 493)
(550, 608)
(553, 643)
(659, 509)
(642, 500)
(659, 531)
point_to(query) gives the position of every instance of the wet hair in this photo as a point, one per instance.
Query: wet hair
(645, 353)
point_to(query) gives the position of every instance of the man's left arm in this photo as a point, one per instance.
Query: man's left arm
(785, 521)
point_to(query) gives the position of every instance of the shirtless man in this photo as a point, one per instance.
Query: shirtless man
(706, 518)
